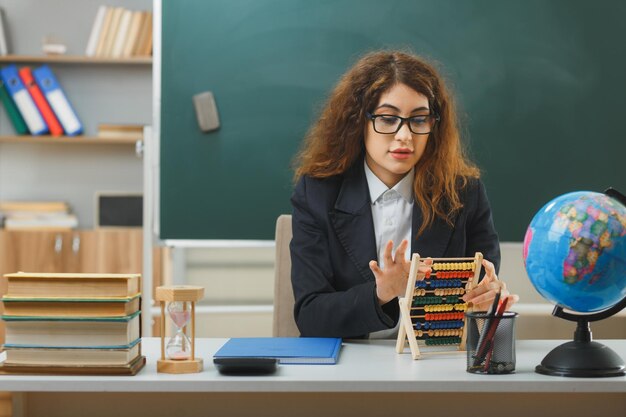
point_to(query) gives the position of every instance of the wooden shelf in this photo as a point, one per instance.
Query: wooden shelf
(75, 59)
(76, 140)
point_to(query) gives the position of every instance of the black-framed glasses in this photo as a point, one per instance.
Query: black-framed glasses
(389, 124)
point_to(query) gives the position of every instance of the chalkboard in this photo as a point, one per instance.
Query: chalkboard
(119, 210)
(540, 85)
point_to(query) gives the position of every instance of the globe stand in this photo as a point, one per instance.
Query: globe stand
(583, 357)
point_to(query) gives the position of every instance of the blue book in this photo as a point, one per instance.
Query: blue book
(58, 101)
(23, 101)
(288, 350)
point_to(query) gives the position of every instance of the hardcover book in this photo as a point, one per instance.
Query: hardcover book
(71, 307)
(128, 369)
(39, 221)
(288, 350)
(4, 49)
(96, 30)
(26, 284)
(67, 357)
(72, 332)
(27, 207)
(115, 131)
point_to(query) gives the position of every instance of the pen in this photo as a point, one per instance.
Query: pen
(483, 341)
(492, 332)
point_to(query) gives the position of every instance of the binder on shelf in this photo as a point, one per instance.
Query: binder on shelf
(96, 30)
(14, 114)
(58, 101)
(40, 101)
(23, 100)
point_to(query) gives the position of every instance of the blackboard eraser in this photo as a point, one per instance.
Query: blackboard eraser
(206, 112)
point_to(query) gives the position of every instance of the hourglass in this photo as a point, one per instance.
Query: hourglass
(178, 355)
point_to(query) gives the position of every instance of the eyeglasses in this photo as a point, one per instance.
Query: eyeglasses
(389, 124)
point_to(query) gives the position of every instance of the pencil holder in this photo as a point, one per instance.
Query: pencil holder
(490, 343)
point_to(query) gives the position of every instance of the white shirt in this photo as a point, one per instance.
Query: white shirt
(392, 212)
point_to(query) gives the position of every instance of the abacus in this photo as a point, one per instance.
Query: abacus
(432, 312)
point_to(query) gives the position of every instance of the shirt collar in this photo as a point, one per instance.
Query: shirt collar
(378, 188)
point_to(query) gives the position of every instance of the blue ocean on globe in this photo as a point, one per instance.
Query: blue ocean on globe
(575, 251)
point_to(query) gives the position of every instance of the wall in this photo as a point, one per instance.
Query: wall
(239, 290)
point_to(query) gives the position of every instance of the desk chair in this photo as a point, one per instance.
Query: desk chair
(284, 323)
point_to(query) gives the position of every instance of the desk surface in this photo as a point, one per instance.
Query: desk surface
(364, 366)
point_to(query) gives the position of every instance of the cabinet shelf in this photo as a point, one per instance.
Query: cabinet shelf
(77, 140)
(75, 59)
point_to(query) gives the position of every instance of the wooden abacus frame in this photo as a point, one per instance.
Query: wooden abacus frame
(407, 329)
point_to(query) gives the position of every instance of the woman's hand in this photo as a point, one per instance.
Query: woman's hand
(391, 282)
(483, 294)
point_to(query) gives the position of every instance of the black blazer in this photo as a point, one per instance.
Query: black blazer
(333, 242)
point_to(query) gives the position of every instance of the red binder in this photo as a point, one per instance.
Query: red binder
(42, 104)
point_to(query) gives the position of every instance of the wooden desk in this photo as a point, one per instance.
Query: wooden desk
(370, 379)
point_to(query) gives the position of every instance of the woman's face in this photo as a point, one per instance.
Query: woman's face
(391, 156)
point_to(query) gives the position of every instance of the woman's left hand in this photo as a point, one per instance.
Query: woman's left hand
(483, 294)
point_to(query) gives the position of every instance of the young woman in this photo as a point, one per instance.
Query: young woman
(381, 175)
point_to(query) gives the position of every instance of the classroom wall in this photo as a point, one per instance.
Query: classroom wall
(239, 289)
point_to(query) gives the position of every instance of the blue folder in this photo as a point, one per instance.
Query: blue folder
(288, 350)
(23, 101)
(58, 101)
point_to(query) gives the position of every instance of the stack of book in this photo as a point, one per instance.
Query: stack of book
(120, 33)
(72, 324)
(48, 215)
(35, 102)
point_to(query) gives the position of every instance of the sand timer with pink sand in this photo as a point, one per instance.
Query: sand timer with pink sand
(180, 354)
(179, 346)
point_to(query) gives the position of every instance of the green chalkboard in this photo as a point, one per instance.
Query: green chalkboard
(540, 84)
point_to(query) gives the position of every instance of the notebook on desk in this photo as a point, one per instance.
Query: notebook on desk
(288, 350)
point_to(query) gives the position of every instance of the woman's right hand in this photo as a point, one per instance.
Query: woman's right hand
(391, 281)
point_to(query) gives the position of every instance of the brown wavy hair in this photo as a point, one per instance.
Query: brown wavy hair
(336, 140)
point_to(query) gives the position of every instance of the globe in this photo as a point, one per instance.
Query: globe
(575, 251)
